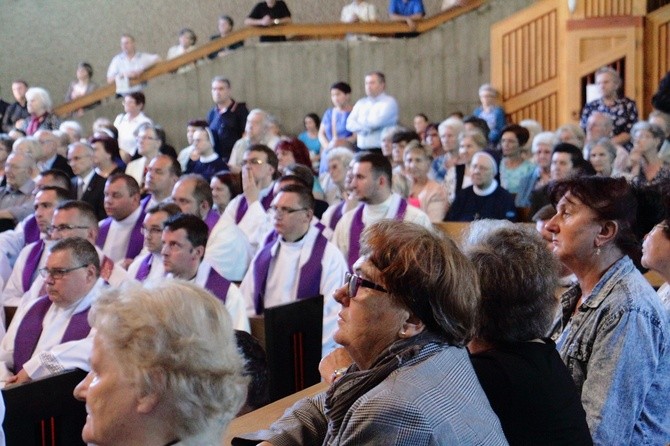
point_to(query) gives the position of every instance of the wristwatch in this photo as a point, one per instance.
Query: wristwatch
(276, 21)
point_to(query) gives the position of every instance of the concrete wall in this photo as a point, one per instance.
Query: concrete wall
(436, 73)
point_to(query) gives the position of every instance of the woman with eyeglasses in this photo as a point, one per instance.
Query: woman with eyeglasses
(407, 312)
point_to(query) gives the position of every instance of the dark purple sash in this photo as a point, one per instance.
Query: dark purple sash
(30, 330)
(145, 268)
(211, 218)
(357, 227)
(31, 232)
(136, 238)
(144, 202)
(244, 206)
(217, 285)
(337, 215)
(309, 279)
(30, 267)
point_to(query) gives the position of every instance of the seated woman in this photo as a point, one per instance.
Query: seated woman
(647, 168)
(527, 384)
(187, 39)
(540, 176)
(601, 155)
(225, 186)
(40, 109)
(165, 368)
(513, 167)
(457, 179)
(332, 182)
(424, 193)
(310, 137)
(614, 334)
(82, 86)
(106, 157)
(656, 256)
(411, 381)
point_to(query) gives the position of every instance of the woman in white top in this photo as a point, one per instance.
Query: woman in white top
(128, 122)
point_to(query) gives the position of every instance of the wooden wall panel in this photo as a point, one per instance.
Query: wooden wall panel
(657, 51)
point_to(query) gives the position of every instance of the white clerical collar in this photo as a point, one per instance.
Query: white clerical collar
(484, 192)
(209, 158)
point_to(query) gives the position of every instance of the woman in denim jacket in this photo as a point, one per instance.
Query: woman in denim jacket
(616, 336)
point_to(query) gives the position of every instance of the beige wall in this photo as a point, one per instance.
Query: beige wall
(437, 73)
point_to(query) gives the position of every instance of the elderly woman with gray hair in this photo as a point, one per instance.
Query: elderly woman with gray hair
(527, 384)
(646, 166)
(332, 182)
(165, 369)
(40, 108)
(407, 312)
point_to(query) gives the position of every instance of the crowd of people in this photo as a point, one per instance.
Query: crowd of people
(424, 341)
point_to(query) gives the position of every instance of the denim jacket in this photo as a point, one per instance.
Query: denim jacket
(617, 349)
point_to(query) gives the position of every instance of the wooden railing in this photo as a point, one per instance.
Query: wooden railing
(292, 31)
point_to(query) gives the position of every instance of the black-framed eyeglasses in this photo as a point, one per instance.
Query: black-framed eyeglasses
(61, 228)
(354, 282)
(279, 211)
(58, 273)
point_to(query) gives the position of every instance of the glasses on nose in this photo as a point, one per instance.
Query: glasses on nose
(150, 231)
(59, 228)
(354, 282)
(281, 211)
(253, 161)
(58, 273)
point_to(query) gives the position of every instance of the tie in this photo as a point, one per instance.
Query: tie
(80, 188)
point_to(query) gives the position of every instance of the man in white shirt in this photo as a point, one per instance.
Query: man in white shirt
(150, 266)
(372, 113)
(300, 263)
(129, 64)
(371, 185)
(77, 219)
(33, 256)
(52, 333)
(162, 174)
(184, 239)
(358, 11)
(120, 237)
(248, 210)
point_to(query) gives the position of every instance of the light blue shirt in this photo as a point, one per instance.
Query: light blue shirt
(369, 117)
(617, 349)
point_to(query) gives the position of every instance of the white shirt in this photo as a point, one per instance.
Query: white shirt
(255, 218)
(184, 156)
(121, 66)
(126, 127)
(118, 237)
(363, 11)
(13, 292)
(135, 169)
(157, 270)
(372, 213)
(283, 277)
(234, 300)
(12, 241)
(369, 117)
(50, 356)
(228, 250)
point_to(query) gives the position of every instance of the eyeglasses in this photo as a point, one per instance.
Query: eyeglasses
(61, 228)
(251, 161)
(58, 273)
(281, 211)
(354, 282)
(150, 231)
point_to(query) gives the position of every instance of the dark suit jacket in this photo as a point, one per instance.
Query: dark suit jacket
(61, 164)
(94, 194)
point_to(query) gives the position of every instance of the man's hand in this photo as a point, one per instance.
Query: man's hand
(249, 186)
(19, 378)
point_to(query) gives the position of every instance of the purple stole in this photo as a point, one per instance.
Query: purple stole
(144, 202)
(357, 227)
(30, 267)
(31, 232)
(217, 285)
(211, 218)
(145, 268)
(337, 215)
(309, 279)
(136, 241)
(243, 206)
(30, 330)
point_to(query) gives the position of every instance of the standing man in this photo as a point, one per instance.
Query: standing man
(269, 13)
(127, 65)
(371, 185)
(372, 113)
(227, 118)
(89, 185)
(150, 266)
(17, 112)
(184, 239)
(407, 11)
(301, 263)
